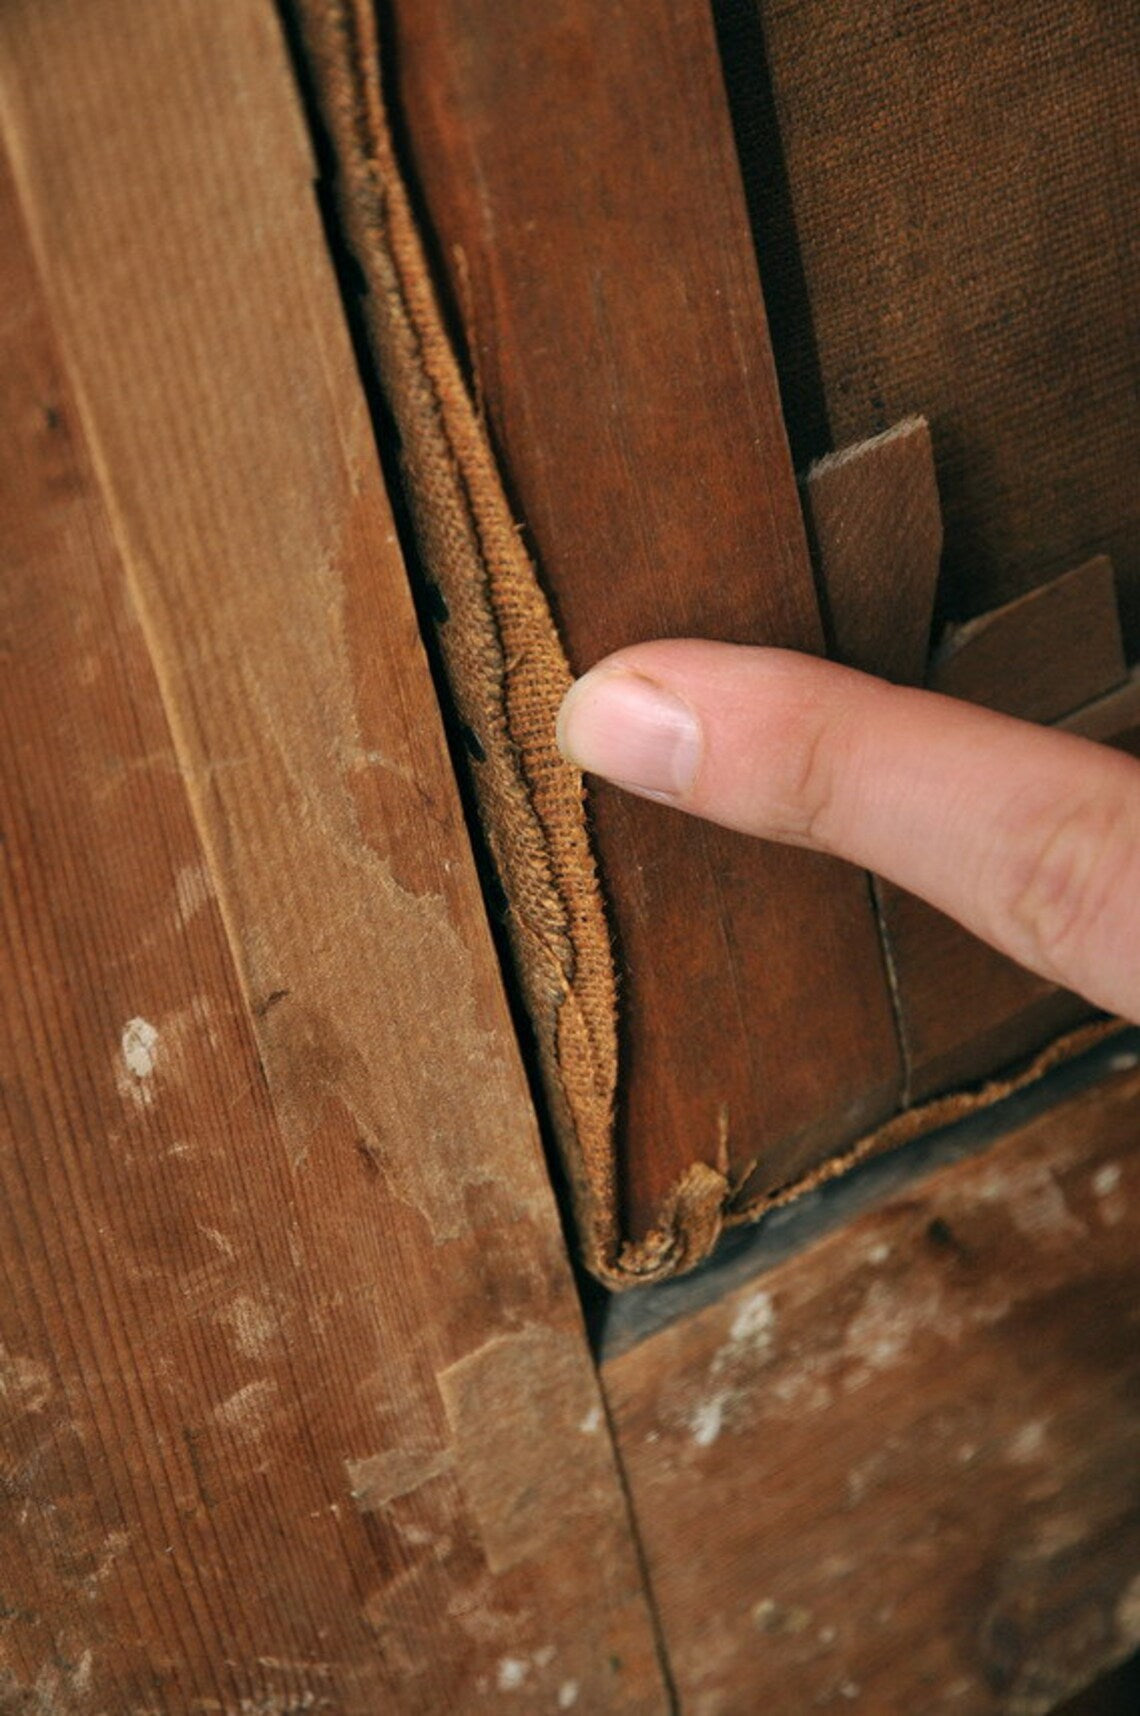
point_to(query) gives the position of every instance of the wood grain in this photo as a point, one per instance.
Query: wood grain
(897, 1472)
(296, 1408)
(876, 529)
(1042, 655)
(578, 174)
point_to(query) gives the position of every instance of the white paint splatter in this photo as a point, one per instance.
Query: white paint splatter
(513, 1672)
(140, 1047)
(1106, 1184)
(253, 1326)
(1124, 1061)
(890, 1316)
(25, 1383)
(1035, 1201)
(244, 1410)
(216, 1237)
(193, 886)
(707, 1420)
(1027, 1444)
(750, 1344)
(568, 1695)
(592, 1422)
(753, 1327)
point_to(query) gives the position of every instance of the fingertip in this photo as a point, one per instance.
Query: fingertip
(631, 730)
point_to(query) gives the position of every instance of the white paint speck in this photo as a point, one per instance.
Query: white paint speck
(216, 1237)
(879, 1252)
(707, 1420)
(1027, 1444)
(140, 1047)
(1106, 1179)
(512, 1674)
(592, 1422)
(245, 1410)
(193, 886)
(1124, 1061)
(1035, 1201)
(253, 1326)
(568, 1695)
(754, 1325)
(890, 1316)
(544, 1656)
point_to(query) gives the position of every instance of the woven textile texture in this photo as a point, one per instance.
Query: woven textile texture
(954, 229)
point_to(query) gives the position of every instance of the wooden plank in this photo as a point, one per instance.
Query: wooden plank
(579, 176)
(898, 1471)
(965, 1010)
(1112, 720)
(296, 1408)
(876, 527)
(1042, 655)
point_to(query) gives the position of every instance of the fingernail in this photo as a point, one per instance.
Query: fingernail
(632, 731)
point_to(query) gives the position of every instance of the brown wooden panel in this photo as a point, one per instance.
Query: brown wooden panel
(963, 211)
(295, 1407)
(876, 528)
(899, 1471)
(1112, 720)
(1042, 655)
(965, 1009)
(579, 174)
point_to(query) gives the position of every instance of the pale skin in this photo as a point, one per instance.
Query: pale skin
(1028, 836)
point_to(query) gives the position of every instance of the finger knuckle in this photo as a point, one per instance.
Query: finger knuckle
(1066, 880)
(813, 787)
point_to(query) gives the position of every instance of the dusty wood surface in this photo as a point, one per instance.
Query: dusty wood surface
(876, 527)
(296, 1408)
(579, 174)
(901, 1471)
(1043, 655)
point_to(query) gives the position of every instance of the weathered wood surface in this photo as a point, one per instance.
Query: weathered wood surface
(579, 176)
(876, 529)
(900, 1471)
(295, 1407)
(1042, 655)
